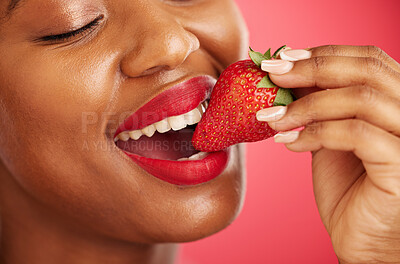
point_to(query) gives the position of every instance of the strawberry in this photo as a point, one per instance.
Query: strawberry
(242, 89)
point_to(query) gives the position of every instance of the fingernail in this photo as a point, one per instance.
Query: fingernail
(287, 137)
(271, 114)
(278, 55)
(276, 66)
(295, 55)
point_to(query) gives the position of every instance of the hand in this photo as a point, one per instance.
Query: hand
(350, 108)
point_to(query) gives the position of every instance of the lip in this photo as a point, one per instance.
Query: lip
(185, 172)
(179, 99)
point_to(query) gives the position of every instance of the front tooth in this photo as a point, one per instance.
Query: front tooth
(123, 136)
(193, 117)
(183, 159)
(136, 134)
(163, 126)
(205, 104)
(201, 109)
(202, 155)
(177, 122)
(198, 156)
(194, 157)
(149, 130)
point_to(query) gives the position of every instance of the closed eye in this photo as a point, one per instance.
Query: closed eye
(68, 35)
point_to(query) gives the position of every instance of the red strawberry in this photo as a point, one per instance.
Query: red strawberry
(242, 89)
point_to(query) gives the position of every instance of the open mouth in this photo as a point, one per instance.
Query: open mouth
(168, 139)
(158, 136)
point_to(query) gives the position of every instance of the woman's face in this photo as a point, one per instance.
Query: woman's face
(63, 95)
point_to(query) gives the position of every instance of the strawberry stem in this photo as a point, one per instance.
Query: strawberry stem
(256, 57)
(267, 54)
(277, 51)
(283, 97)
(266, 83)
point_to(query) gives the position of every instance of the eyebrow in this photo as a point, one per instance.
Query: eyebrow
(12, 6)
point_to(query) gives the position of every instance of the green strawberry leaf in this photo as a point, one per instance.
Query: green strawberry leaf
(267, 54)
(266, 83)
(283, 97)
(276, 52)
(256, 57)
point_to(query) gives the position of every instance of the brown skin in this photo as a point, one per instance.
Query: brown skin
(67, 194)
(353, 131)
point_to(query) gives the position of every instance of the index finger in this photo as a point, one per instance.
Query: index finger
(338, 72)
(355, 51)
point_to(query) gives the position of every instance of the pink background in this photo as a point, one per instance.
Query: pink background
(280, 222)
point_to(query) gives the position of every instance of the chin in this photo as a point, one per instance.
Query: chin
(213, 206)
(169, 213)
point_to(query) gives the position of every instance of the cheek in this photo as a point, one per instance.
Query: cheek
(42, 135)
(55, 92)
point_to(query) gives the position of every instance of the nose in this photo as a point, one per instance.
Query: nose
(160, 43)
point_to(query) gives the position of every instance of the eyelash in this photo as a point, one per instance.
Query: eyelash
(69, 35)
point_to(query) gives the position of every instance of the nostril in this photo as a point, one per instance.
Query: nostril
(153, 70)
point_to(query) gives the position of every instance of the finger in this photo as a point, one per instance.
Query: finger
(379, 150)
(336, 72)
(342, 51)
(358, 102)
(355, 51)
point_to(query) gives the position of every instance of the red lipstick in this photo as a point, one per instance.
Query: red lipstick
(175, 101)
(163, 163)
(185, 172)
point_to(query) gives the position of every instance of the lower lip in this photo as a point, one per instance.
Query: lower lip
(185, 172)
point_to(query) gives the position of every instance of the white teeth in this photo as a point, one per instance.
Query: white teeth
(136, 134)
(149, 130)
(123, 136)
(201, 109)
(177, 122)
(193, 117)
(173, 122)
(197, 156)
(163, 126)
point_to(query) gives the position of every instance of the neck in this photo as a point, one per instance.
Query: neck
(29, 232)
(37, 246)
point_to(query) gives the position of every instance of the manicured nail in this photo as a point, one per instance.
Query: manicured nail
(287, 137)
(276, 66)
(271, 114)
(278, 55)
(295, 55)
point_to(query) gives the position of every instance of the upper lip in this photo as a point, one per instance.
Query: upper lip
(177, 100)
